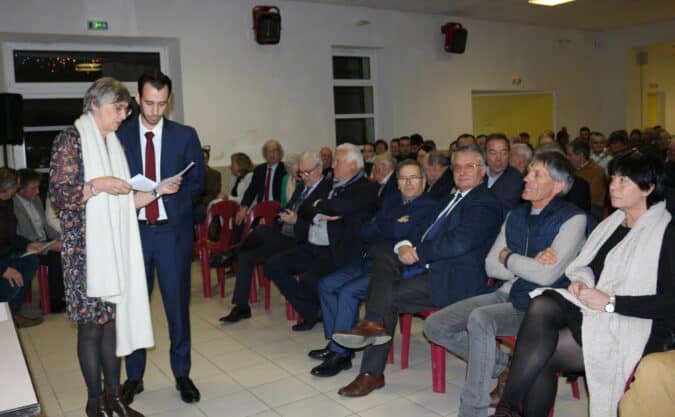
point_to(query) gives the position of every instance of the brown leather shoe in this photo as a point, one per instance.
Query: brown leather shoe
(365, 333)
(496, 393)
(503, 410)
(363, 385)
(22, 321)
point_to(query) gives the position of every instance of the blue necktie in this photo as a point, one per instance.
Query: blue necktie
(436, 225)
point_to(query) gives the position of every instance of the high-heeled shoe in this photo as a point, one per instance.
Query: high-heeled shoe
(116, 405)
(97, 407)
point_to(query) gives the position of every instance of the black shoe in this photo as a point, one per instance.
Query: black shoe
(332, 365)
(129, 389)
(320, 354)
(223, 260)
(118, 407)
(97, 407)
(305, 325)
(238, 312)
(188, 392)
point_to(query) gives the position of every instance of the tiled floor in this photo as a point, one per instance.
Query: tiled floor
(256, 367)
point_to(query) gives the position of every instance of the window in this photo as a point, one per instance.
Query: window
(53, 79)
(353, 97)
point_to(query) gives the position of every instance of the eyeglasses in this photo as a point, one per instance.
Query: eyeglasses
(456, 168)
(409, 180)
(302, 173)
(124, 108)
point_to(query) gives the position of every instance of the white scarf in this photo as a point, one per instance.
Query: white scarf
(115, 269)
(613, 344)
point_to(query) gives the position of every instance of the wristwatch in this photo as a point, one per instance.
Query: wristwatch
(155, 194)
(609, 307)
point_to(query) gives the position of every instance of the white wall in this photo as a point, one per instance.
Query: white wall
(618, 71)
(237, 93)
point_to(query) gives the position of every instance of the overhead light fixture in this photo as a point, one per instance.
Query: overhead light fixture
(549, 2)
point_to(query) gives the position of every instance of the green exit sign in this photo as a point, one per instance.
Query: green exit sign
(98, 25)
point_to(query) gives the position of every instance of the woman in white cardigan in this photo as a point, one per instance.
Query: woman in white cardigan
(619, 306)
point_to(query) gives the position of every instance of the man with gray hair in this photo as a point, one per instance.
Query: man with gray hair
(383, 173)
(520, 157)
(538, 239)
(264, 241)
(332, 238)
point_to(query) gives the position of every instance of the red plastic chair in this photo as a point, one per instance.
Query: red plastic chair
(266, 212)
(437, 351)
(205, 248)
(45, 300)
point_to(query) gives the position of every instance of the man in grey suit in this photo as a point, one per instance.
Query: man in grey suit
(32, 225)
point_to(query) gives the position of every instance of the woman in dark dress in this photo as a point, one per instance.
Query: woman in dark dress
(619, 307)
(88, 184)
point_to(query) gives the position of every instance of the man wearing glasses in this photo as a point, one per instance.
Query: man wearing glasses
(441, 262)
(263, 241)
(503, 179)
(341, 292)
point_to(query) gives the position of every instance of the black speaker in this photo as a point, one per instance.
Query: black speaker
(455, 37)
(267, 25)
(11, 119)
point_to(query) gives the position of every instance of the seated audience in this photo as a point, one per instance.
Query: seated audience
(405, 149)
(579, 152)
(266, 180)
(341, 292)
(585, 133)
(32, 225)
(416, 142)
(212, 187)
(651, 394)
(265, 241)
(332, 239)
(439, 175)
(536, 243)
(580, 193)
(368, 152)
(524, 138)
(480, 141)
(242, 172)
(503, 180)
(290, 180)
(618, 145)
(393, 148)
(17, 272)
(326, 162)
(440, 263)
(381, 147)
(384, 176)
(545, 137)
(599, 151)
(520, 157)
(619, 307)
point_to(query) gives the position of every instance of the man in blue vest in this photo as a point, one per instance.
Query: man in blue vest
(537, 241)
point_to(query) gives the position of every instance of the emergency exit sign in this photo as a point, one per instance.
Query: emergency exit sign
(97, 25)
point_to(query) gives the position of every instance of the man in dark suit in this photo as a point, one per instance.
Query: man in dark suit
(439, 175)
(505, 181)
(266, 181)
(159, 148)
(383, 174)
(443, 261)
(264, 241)
(332, 238)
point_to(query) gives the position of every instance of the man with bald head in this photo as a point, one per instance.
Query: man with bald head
(266, 181)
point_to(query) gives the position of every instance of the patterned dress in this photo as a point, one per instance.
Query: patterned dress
(66, 184)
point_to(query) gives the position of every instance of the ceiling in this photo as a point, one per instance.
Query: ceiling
(580, 14)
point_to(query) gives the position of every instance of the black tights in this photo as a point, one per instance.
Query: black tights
(96, 351)
(545, 347)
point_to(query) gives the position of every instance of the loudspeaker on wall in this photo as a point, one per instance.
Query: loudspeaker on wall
(11, 119)
(267, 25)
(455, 37)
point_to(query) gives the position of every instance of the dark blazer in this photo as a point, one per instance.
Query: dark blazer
(456, 255)
(256, 190)
(306, 210)
(387, 224)
(25, 226)
(508, 187)
(390, 187)
(356, 203)
(443, 186)
(180, 146)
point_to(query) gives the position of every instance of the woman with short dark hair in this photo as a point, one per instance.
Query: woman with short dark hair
(619, 307)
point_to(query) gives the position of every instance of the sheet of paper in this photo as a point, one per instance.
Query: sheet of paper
(186, 169)
(43, 248)
(3, 312)
(142, 183)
